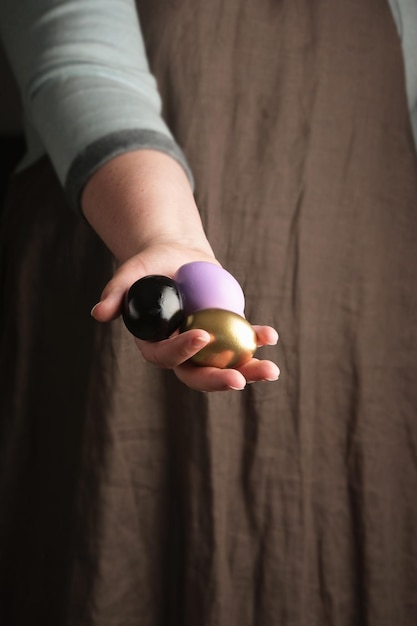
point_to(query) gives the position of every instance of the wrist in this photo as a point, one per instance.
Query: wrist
(141, 199)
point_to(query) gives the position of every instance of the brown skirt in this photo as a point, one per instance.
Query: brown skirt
(127, 499)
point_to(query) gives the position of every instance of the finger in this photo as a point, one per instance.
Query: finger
(266, 335)
(214, 379)
(257, 370)
(171, 353)
(210, 378)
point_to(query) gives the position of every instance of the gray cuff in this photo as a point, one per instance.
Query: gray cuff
(105, 148)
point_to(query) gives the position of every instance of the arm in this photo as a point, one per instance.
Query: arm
(120, 167)
(85, 83)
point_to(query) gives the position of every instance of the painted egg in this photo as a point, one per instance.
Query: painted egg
(206, 285)
(233, 338)
(152, 308)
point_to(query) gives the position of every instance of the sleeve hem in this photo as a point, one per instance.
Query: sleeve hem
(109, 146)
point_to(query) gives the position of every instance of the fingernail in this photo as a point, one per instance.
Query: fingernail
(199, 342)
(93, 309)
(235, 388)
(271, 380)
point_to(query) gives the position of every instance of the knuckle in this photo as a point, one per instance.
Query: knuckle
(183, 354)
(152, 353)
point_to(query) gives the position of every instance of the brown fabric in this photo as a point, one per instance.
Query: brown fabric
(128, 500)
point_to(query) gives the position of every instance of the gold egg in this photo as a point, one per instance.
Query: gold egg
(233, 338)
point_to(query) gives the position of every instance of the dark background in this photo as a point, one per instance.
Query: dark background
(12, 144)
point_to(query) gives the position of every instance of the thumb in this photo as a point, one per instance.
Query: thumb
(110, 305)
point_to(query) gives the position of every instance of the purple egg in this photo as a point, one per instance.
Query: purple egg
(208, 286)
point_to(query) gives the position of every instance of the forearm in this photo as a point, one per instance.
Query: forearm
(140, 199)
(85, 83)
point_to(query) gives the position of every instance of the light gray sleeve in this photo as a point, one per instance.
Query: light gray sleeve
(85, 83)
(405, 16)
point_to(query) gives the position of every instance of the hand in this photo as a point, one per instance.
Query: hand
(141, 205)
(174, 353)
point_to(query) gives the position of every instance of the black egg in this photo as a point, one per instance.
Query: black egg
(152, 308)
